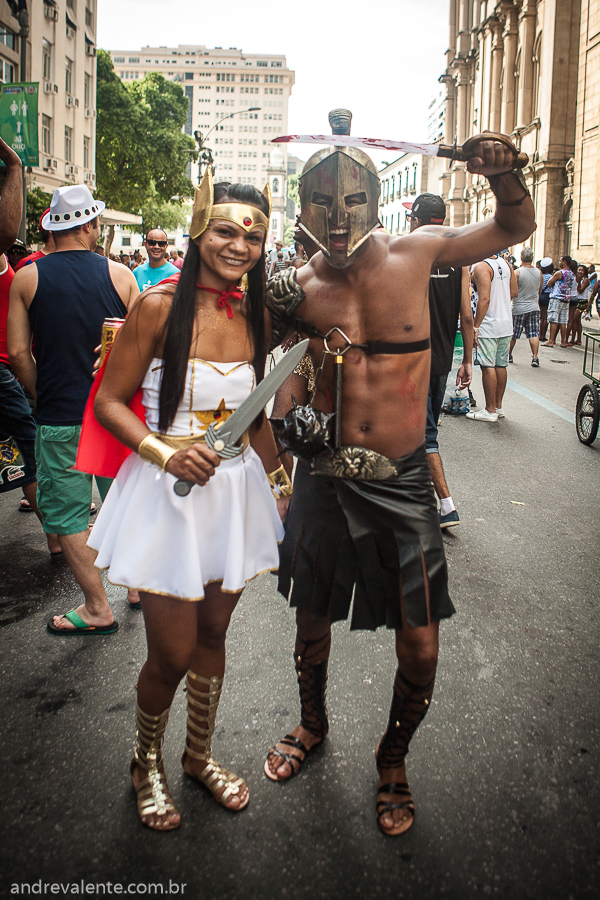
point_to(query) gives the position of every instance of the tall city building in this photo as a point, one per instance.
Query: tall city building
(53, 42)
(530, 69)
(218, 83)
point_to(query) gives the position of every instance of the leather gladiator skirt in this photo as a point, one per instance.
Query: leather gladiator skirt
(373, 545)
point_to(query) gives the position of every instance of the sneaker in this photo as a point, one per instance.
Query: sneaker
(535, 362)
(482, 415)
(500, 413)
(449, 520)
(510, 359)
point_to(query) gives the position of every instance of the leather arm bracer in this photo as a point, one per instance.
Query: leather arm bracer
(284, 295)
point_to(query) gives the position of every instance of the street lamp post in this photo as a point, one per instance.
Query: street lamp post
(205, 153)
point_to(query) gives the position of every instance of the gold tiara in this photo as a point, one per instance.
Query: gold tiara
(240, 213)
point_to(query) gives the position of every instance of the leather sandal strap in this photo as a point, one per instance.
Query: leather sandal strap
(287, 758)
(290, 741)
(394, 787)
(398, 789)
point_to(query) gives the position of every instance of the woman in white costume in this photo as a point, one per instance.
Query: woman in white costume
(198, 348)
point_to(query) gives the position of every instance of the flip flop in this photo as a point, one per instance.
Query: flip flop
(81, 627)
(56, 555)
(25, 506)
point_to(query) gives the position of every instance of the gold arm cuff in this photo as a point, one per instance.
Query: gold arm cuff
(281, 486)
(153, 450)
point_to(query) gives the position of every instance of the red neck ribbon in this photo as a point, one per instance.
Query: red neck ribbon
(232, 293)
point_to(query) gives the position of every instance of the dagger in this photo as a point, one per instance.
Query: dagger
(460, 154)
(223, 438)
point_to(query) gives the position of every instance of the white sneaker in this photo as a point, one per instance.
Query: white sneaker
(482, 415)
(500, 413)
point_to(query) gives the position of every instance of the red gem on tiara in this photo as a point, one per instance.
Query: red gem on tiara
(247, 221)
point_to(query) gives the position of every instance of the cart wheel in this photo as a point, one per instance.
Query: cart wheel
(587, 413)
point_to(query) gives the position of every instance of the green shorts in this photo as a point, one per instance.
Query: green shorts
(63, 495)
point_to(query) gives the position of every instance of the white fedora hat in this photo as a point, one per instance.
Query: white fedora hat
(71, 205)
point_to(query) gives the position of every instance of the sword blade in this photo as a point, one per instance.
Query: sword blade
(234, 427)
(347, 140)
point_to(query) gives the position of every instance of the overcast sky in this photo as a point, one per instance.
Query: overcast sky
(380, 59)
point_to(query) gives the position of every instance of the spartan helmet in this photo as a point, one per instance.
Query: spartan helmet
(328, 179)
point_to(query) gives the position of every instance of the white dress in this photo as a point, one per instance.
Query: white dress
(150, 539)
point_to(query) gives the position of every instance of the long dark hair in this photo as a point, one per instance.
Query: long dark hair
(179, 327)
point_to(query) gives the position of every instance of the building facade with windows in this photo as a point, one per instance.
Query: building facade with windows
(60, 54)
(219, 82)
(530, 69)
(401, 182)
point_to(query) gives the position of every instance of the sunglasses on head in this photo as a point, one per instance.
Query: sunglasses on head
(156, 243)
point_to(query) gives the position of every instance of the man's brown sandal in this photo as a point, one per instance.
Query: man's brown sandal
(399, 789)
(312, 685)
(287, 758)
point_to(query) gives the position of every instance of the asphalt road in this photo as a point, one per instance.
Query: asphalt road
(504, 770)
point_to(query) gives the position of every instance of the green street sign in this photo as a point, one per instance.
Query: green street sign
(19, 120)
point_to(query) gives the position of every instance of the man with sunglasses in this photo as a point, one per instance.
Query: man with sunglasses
(157, 268)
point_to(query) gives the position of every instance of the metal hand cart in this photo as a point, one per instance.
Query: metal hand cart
(587, 411)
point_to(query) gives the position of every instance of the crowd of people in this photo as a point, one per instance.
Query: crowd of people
(359, 527)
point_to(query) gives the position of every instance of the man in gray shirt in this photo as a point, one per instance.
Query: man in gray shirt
(526, 308)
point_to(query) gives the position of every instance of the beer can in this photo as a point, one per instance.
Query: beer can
(109, 333)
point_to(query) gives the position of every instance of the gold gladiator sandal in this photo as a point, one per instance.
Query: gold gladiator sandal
(203, 695)
(153, 797)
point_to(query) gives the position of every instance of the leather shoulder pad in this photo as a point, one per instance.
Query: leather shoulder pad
(284, 295)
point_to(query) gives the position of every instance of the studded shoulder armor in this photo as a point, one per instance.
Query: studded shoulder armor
(284, 295)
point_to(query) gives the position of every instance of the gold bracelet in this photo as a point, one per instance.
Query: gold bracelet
(153, 450)
(280, 479)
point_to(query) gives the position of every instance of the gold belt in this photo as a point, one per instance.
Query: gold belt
(183, 441)
(355, 463)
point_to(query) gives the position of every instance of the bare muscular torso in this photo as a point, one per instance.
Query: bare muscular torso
(383, 296)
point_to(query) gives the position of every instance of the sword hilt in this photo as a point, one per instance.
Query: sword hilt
(221, 447)
(464, 153)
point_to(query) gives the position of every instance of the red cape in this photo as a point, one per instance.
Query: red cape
(99, 452)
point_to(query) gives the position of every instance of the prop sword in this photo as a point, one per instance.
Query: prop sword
(461, 154)
(223, 438)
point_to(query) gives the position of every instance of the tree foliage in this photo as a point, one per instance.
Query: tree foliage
(38, 202)
(292, 188)
(141, 151)
(158, 214)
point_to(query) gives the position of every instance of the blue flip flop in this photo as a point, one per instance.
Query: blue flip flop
(81, 627)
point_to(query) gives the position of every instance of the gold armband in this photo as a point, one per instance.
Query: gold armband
(281, 486)
(153, 450)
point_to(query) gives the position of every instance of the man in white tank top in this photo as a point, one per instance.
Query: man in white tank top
(496, 283)
(526, 307)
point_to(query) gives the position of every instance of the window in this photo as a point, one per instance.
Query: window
(46, 60)
(8, 74)
(87, 145)
(262, 63)
(7, 38)
(72, 5)
(68, 76)
(68, 144)
(89, 17)
(133, 59)
(87, 89)
(121, 59)
(189, 76)
(47, 135)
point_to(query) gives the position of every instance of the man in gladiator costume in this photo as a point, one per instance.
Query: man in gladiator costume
(363, 522)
